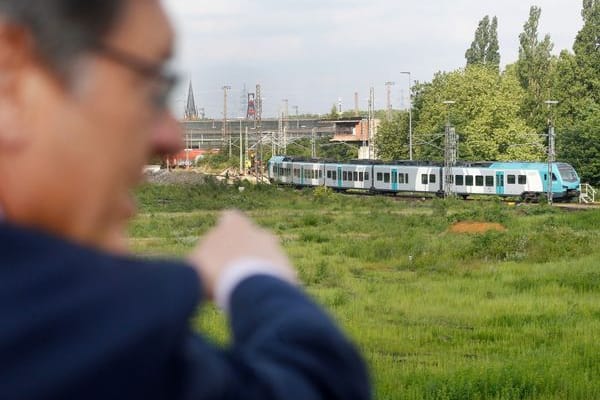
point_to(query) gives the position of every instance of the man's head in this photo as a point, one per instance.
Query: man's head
(82, 108)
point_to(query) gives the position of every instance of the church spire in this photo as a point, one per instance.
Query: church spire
(191, 112)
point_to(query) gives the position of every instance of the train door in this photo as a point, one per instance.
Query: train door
(394, 179)
(302, 175)
(500, 183)
(339, 177)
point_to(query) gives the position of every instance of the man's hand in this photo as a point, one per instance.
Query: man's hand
(234, 239)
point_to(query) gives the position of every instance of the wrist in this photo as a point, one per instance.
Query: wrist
(238, 271)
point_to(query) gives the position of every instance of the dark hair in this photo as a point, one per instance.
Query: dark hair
(63, 29)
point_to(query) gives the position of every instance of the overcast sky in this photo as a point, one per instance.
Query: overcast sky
(313, 52)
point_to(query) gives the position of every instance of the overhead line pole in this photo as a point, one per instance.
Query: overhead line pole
(225, 130)
(551, 151)
(410, 132)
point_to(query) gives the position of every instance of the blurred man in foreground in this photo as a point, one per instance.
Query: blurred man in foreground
(83, 94)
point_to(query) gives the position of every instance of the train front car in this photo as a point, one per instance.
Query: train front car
(530, 180)
(569, 182)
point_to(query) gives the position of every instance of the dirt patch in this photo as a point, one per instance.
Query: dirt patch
(476, 227)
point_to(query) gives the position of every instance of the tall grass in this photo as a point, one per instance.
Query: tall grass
(438, 315)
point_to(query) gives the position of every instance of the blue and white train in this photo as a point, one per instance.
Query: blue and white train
(527, 180)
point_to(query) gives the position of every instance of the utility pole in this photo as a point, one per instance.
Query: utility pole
(285, 140)
(551, 151)
(410, 133)
(258, 105)
(225, 130)
(258, 126)
(388, 86)
(449, 152)
(313, 143)
(371, 122)
(241, 149)
(297, 119)
(286, 112)
(246, 155)
(356, 106)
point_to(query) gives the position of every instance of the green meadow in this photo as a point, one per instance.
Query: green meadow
(510, 314)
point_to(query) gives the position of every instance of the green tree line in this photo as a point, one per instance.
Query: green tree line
(502, 114)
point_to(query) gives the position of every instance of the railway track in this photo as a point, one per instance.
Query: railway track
(407, 197)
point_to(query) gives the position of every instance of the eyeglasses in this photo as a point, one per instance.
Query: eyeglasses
(165, 80)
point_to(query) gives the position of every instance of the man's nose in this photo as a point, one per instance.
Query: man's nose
(167, 137)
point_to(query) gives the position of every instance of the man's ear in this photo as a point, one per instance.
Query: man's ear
(16, 51)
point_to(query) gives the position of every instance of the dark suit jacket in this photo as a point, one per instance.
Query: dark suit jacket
(80, 324)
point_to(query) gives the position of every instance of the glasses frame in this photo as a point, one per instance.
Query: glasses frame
(149, 70)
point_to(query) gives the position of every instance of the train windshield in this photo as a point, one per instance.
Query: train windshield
(567, 173)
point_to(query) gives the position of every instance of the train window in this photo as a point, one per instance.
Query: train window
(345, 175)
(460, 180)
(355, 176)
(320, 174)
(554, 179)
(479, 180)
(361, 176)
(522, 180)
(469, 180)
(386, 177)
(431, 178)
(379, 177)
(424, 180)
(366, 176)
(511, 179)
(450, 179)
(334, 175)
(401, 178)
(489, 181)
(328, 174)
(406, 179)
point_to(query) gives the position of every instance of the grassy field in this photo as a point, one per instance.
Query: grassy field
(511, 314)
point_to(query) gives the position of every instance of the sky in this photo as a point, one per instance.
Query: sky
(315, 52)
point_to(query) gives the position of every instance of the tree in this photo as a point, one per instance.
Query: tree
(533, 69)
(333, 114)
(581, 146)
(485, 49)
(391, 141)
(577, 86)
(486, 116)
(587, 48)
